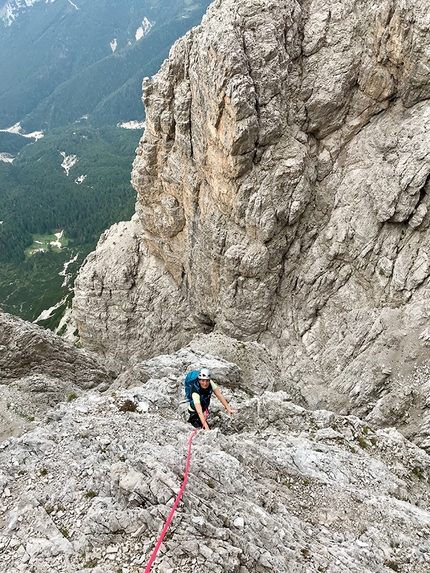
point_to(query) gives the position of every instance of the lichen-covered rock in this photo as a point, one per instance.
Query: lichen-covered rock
(283, 192)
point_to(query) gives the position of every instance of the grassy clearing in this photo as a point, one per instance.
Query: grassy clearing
(44, 243)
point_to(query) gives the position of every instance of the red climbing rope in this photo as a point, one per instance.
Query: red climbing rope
(175, 505)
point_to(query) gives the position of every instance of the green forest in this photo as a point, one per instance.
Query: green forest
(70, 54)
(37, 197)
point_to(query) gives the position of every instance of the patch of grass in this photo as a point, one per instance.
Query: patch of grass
(43, 472)
(26, 417)
(362, 442)
(211, 484)
(72, 397)
(91, 563)
(128, 406)
(43, 243)
(62, 330)
(64, 532)
(392, 565)
(90, 494)
(417, 471)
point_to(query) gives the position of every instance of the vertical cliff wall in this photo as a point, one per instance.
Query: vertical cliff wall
(282, 182)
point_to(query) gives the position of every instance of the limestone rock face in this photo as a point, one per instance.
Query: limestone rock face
(126, 304)
(283, 197)
(276, 488)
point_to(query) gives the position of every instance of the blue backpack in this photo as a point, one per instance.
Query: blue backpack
(192, 385)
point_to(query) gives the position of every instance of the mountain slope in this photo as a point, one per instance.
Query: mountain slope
(51, 44)
(71, 71)
(276, 488)
(283, 187)
(73, 182)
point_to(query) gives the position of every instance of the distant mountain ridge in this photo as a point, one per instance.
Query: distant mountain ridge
(11, 10)
(62, 60)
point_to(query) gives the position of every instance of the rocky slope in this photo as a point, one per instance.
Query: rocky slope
(276, 488)
(283, 197)
(37, 370)
(281, 239)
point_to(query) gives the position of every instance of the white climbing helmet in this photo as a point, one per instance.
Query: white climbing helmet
(204, 374)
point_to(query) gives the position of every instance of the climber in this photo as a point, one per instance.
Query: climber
(198, 390)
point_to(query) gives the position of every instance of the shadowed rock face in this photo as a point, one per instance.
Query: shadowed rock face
(28, 349)
(283, 187)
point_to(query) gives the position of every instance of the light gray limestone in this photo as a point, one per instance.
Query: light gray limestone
(39, 369)
(276, 488)
(282, 187)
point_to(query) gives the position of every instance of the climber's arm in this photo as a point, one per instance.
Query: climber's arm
(201, 415)
(223, 401)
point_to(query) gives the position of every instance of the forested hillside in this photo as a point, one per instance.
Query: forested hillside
(41, 197)
(62, 60)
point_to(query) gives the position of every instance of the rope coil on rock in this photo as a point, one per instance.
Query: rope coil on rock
(175, 505)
